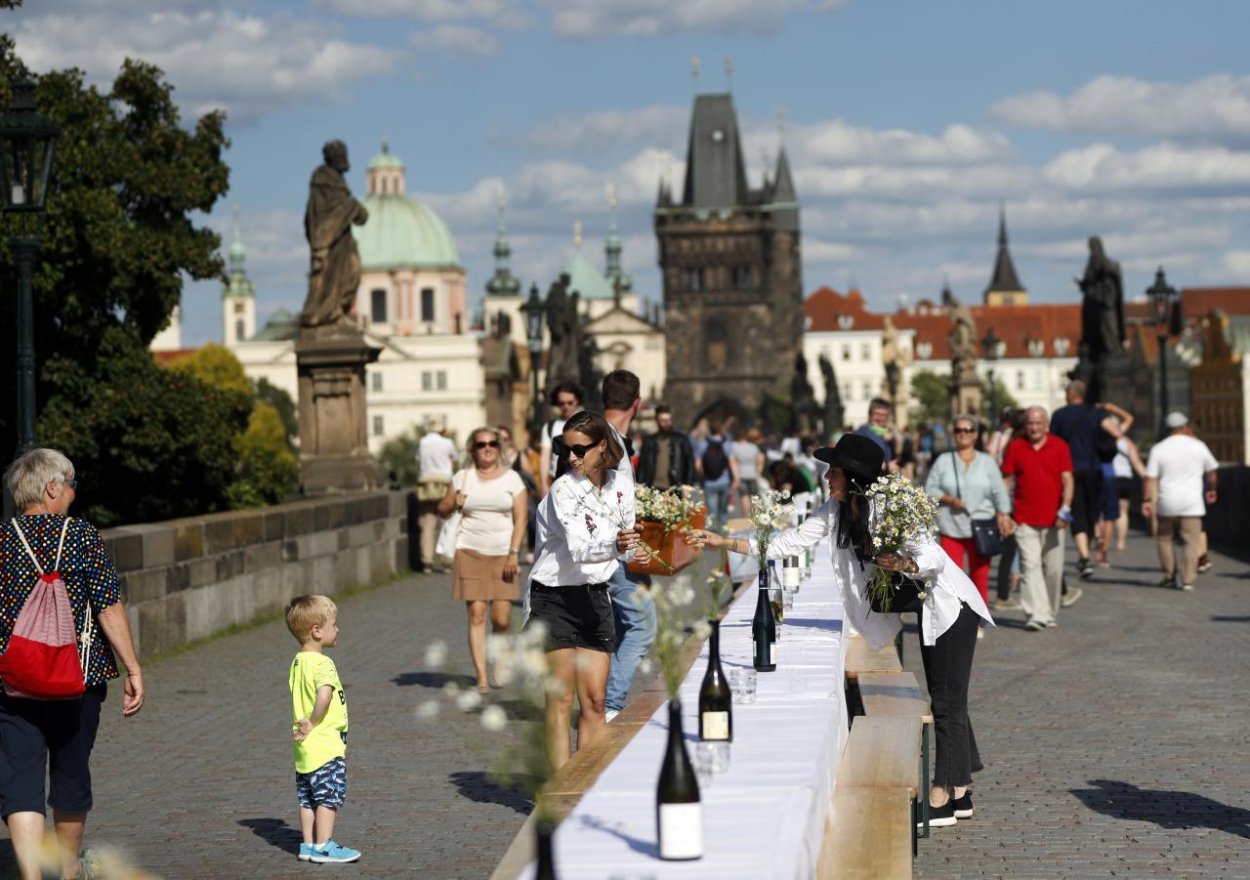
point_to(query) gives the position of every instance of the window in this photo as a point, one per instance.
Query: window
(744, 278)
(867, 389)
(427, 304)
(846, 352)
(865, 351)
(377, 304)
(238, 329)
(716, 343)
(692, 280)
(376, 381)
(441, 380)
(846, 392)
(377, 426)
(1019, 380)
(427, 380)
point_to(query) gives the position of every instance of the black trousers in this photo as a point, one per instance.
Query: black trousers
(1005, 559)
(947, 670)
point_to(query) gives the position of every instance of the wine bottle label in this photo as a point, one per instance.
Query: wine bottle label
(716, 725)
(681, 831)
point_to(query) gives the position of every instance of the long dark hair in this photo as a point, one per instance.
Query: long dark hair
(853, 518)
(596, 427)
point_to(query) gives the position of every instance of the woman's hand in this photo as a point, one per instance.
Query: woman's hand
(132, 693)
(1006, 525)
(627, 540)
(897, 562)
(704, 538)
(461, 498)
(510, 568)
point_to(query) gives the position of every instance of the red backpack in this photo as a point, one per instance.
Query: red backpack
(44, 659)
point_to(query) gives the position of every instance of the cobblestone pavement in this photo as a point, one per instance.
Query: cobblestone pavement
(1116, 744)
(200, 784)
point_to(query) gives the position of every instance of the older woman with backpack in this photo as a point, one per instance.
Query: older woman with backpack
(57, 587)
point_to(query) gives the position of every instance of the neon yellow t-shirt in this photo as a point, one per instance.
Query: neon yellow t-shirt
(328, 740)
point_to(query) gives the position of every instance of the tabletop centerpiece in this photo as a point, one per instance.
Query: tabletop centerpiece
(665, 517)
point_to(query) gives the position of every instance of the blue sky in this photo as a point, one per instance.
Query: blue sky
(907, 123)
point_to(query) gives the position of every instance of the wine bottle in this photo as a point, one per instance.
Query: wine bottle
(715, 699)
(774, 596)
(790, 576)
(546, 868)
(763, 629)
(678, 813)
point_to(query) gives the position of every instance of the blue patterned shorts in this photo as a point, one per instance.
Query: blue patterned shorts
(324, 787)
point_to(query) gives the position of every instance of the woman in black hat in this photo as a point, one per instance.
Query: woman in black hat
(950, 615)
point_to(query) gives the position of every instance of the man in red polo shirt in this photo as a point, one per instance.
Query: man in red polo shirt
(1038, 468)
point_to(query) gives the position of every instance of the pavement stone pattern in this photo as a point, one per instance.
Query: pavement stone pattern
(1116, 744)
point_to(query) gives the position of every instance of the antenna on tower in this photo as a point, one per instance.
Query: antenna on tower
(729, 73)
(694, 72)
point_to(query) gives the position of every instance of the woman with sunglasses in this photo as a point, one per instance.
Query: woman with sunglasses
(968, 485)
(585, 531)
(493, 505)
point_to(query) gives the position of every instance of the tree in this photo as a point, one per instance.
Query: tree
(932, 397)
(215, 365)
(399, 456)
(268, 470)
(118, 240)
(282, 402)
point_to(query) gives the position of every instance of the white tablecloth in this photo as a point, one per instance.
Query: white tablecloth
(762, 818)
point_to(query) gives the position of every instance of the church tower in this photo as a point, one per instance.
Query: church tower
(1005, 288)
(732, 277)
(238, 295)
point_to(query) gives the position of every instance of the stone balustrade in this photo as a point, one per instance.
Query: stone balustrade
(187, 579)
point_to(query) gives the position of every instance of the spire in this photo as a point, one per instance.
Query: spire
(783, 182)
(715, 172)
(504, 283)
(1004, 279)
(621, 283)
(237, 284)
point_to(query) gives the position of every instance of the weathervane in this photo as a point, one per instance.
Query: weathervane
(611, 196)
(694, 71)
(577, 235)
(729, 72)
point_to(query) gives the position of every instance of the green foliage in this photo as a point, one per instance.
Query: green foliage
(268, 470)
(282, 402)
(147, 443)
(118, 240)
(1000, 398)
(215, 365)
(931, 397)
(399, 457)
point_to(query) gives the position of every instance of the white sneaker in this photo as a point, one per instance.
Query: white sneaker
(609, 714)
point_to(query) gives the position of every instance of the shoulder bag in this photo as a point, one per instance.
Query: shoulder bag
(445, 547)
(985, 534)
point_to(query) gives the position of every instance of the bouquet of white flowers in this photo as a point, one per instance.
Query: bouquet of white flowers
(670, 507)
(899, 512)
(770, 513)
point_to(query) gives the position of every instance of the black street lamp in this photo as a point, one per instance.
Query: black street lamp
(27, 142)
(993, 348)
(1163, 299)
(535, 310)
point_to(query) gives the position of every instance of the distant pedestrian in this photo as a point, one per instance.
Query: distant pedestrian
(718, 469)
(567, 398)
(1039, 468)
(437, 456)
(750, 458)
(1087, 430)
(1183, 473)
(1128, 468)
(318, 729)
(666, 460)
(880, 430)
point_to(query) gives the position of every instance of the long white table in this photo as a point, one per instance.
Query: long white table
(762, 818)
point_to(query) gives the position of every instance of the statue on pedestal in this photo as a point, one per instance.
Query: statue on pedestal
(334, 268)
(564, 327)
(965, 384)
(1102, 309)
(834, 416)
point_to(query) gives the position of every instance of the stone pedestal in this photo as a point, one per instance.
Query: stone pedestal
(1113, 378)
(966, 396)
(334, 449)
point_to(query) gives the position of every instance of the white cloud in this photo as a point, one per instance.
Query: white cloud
(837, 142)
(1214, 107)
(1103, 167)
(650, 18)
(243, 63)
(657, 123)
(457, 39)
(503, 13)
(1237, 265)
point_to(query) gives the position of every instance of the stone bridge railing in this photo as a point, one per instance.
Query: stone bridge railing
(187, 579)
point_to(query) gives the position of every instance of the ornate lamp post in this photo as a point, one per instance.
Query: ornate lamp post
(1163, 298)
(27, 143)
(993, 348)
(535, 310)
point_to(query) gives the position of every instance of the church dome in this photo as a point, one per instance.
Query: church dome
(401, 232)
(586, 279)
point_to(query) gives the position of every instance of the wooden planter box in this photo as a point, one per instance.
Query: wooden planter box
(670, 545)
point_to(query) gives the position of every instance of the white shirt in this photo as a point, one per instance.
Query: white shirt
(486, 523)
(1179, 464)
(948, 585)
(437, 455)
(576, 528)
(626, 464)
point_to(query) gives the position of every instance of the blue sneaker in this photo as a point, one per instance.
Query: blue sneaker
(305, 852)
(333, 853)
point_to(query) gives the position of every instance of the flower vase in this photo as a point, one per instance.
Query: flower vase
(678, 811)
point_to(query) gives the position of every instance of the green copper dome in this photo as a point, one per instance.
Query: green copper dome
(385, 159)
(586, 279)
(403, 233)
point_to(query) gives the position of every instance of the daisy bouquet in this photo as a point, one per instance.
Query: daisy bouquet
(770, 513)
(899, 512)
(673, 508)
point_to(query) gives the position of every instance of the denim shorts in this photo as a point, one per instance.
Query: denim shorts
(575, 617)
(324, 787)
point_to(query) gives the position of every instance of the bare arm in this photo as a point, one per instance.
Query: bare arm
(1125, 417)
(116, 626)
(1069, 486)
(304, 726)
(520, 514)
(450, 502)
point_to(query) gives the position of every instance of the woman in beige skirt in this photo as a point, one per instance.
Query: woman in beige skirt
(492, 501)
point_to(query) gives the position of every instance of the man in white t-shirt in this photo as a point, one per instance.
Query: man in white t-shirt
(437, 456)
(567, 398)
(1180, 467)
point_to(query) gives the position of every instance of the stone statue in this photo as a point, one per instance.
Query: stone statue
(564, 327)
(833, 398)
(1102, 310)
(962, 337)
(334, 270)
(803, 407)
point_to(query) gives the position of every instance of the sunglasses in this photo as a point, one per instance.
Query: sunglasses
(73, 484)
(965, 431)
(580, 449)
(483, 444)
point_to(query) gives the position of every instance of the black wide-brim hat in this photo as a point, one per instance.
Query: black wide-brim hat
(856, 454)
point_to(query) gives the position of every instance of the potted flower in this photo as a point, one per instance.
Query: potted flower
(665, 517)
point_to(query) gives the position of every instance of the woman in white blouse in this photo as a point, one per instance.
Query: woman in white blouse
(585, 530)
(485, 572)
(949, 617)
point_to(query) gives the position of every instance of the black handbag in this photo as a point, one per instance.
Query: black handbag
(907, 595)
(985, 534)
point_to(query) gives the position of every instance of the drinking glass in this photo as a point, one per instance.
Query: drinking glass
(715, 752)
(742, 683)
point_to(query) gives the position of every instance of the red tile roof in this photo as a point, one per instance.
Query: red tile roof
(824, 307)
(1197, 302)
(165, 358)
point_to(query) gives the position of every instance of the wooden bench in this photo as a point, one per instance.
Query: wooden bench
(884, 752)
(898, 695)
(863, 839)
(863, 658)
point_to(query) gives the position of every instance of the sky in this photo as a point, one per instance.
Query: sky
(908, 123)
